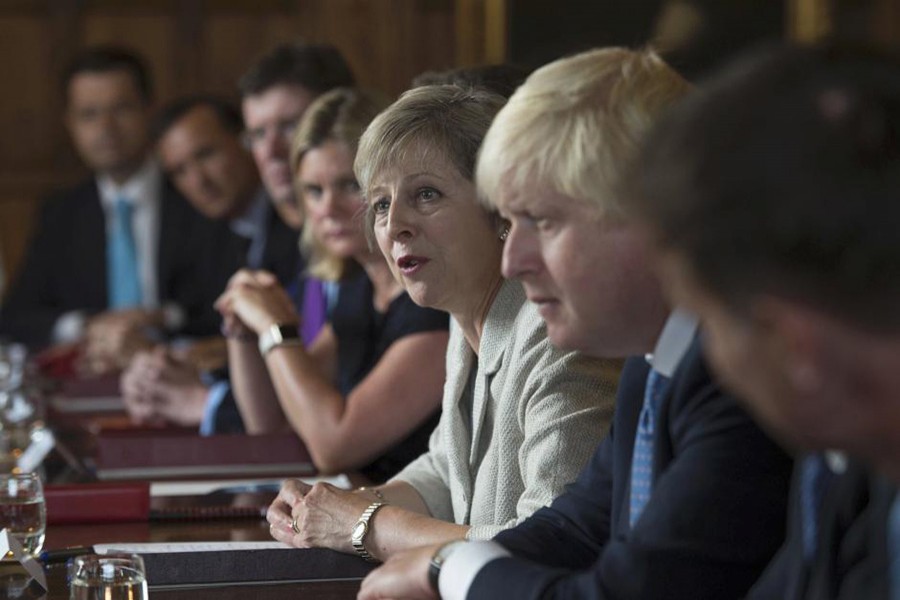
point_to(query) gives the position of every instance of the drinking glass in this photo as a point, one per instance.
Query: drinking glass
(107, 577)
(22, 510)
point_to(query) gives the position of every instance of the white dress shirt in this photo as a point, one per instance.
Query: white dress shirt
(143, 191)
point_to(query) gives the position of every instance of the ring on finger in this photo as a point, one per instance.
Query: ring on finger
(294, 527)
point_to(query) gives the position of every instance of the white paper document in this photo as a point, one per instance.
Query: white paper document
(196, 488)
(164, 547)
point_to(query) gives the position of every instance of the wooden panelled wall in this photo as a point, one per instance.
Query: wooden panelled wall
(192, 45)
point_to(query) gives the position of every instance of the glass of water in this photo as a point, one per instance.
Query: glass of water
(107, 577)
(22, 510)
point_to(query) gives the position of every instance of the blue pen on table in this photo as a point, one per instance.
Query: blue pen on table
(51, 557)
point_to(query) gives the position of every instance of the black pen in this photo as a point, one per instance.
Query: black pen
(51, 557)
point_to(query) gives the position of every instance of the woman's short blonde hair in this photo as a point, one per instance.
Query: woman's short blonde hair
(576, 124)
(448, 120)
(340, 115)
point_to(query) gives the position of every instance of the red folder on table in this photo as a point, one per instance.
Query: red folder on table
(150, 455)
(97, 503)
(121, 502)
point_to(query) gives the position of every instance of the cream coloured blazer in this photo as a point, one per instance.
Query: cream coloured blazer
(507, 444)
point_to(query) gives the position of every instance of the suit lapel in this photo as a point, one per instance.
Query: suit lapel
(91, 251)
(461, 360)
(481, 398)
(496, 336)
(171, 230)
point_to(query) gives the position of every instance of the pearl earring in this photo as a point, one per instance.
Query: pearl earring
(504, 233)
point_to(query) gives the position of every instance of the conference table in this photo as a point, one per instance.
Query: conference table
(64, 536)
(75, 435)
(245, 530)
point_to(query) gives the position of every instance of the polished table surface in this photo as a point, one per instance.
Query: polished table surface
(76, 435)
(62, 536)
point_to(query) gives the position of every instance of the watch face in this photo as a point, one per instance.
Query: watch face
(359, 531)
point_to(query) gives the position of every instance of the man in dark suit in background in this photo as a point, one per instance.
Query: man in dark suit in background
(775, 196)
(110, 259)
(686, 497)
(275, 92)
(199, 147)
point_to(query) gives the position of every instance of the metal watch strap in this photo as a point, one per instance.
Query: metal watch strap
(359, 544)
(278, 335)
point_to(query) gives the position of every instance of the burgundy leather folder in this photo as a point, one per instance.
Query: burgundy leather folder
(97, 503)
(155, 455)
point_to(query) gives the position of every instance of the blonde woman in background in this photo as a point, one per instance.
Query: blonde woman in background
(364, 395)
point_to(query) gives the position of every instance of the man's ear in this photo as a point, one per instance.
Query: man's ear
(796, 332)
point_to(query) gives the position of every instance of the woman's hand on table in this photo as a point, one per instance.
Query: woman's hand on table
(324, 515)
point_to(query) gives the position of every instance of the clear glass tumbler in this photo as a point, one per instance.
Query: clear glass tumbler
(22, 510)
(107, 577)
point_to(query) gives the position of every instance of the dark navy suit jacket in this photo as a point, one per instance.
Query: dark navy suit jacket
(715, 518)
(64, 268)
(225, 252)
(851, 560)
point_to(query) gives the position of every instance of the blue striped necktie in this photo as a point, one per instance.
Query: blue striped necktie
(894, 549)
(815, 477)
(642, 456)
(122, 276)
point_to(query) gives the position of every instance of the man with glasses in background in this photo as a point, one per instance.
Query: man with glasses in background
(275, 93)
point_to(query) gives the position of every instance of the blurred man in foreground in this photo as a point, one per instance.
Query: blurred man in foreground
(775, 197)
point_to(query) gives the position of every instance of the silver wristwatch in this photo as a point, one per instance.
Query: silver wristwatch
(278, 335)
(361, 529)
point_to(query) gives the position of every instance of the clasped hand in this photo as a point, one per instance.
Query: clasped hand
(111, 338)
(157, 388)
(252, 302)
(318, 516)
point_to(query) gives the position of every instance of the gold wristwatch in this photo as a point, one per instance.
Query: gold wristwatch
(361, 529)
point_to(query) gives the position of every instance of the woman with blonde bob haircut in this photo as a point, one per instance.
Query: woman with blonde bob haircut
(519, 417)
(364, 395)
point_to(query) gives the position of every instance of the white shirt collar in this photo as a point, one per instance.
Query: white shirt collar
(253, 220)
(836, 461)
(673, 342)
(140, 189)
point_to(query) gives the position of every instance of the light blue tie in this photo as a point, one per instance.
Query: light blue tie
(123, 279)
(642, 457)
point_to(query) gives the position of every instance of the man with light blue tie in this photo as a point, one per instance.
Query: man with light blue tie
(199, 146)
(110, 260)
(776, 197)
(686, 497)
